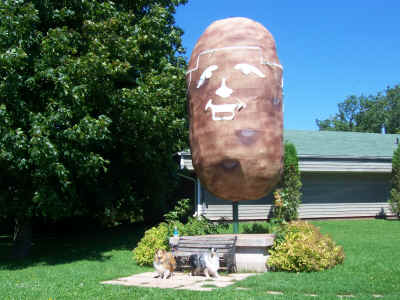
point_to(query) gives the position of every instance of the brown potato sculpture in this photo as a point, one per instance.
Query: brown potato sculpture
(234, 84)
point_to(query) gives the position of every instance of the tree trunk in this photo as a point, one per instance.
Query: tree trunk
(22, 238)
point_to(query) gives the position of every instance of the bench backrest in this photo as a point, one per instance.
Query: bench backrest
(188, 245)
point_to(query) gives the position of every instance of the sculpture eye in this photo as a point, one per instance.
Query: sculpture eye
(207, 73)
(247, 69)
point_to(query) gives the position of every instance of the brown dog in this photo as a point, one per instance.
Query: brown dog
(164, 263)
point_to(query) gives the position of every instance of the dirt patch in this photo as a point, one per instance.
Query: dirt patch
(181, 281)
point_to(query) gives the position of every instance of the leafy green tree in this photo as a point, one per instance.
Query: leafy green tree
(367, 114)
(345, 119)
(288, 195)
(92, 108)
(394, 199)
(392, 108)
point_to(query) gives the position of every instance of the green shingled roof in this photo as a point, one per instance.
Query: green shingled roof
(339, 143)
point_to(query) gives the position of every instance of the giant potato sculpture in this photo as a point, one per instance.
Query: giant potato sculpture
(234, 84)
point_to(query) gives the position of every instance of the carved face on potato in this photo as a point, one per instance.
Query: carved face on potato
(234, 84)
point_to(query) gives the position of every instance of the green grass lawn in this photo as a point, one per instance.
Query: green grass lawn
(72, 267)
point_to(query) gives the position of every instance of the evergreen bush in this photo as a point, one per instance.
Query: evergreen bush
(288, 195)
(394, 199)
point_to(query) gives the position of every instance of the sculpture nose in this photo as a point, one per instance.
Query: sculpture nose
(224, 91)
(247, 136)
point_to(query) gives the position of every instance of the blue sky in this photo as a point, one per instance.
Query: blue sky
(329, 49)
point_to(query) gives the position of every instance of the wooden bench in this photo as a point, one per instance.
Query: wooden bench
(225, 246)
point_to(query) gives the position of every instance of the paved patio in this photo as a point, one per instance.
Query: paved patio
(180, 281)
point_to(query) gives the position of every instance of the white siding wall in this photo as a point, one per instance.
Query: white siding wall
(306, 211)
(343, 165)
(325, 195)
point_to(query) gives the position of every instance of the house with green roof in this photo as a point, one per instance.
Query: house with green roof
(344, 175)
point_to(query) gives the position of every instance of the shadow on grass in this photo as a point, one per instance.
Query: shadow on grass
(61, 249)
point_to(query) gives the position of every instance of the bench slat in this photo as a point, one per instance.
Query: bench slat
(189, 253)
(206, 241)
(226, 239)
(202, 245)
(201, 250)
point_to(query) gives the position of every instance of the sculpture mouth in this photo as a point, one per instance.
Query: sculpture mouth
(229, 164)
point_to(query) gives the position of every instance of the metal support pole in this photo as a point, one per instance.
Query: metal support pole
(235, 214)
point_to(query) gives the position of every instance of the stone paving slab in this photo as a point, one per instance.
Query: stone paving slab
(182, 281)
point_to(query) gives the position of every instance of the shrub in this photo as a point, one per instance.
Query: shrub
(288, 195)
(394, 199)
(274, 226)
(279, 206)
(201, 226)
(304, 249)
(394, 202)
(258, 227)
(181, 212)
(153, 239)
